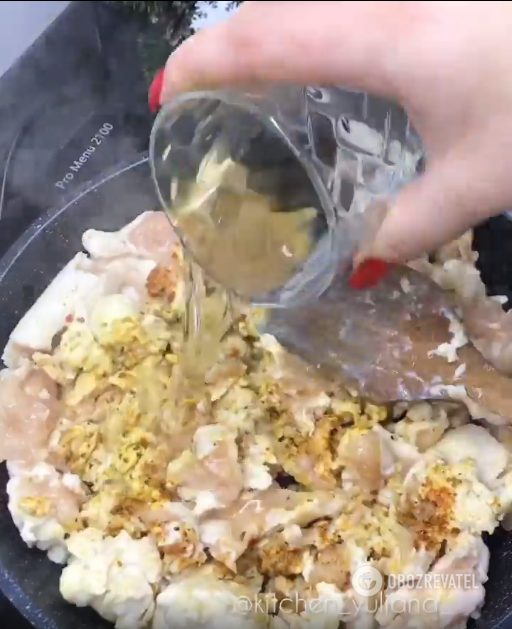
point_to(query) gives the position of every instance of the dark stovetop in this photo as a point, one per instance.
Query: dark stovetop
(89, 71)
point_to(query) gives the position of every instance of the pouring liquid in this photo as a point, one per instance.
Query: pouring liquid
(238, 234)
(247, 245)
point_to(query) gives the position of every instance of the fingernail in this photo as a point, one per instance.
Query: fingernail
(369, 273)
(155, 91)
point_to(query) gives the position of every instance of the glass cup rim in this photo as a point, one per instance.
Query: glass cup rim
(245, 101)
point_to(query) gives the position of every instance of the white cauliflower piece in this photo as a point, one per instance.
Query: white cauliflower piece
(476, 507)
(78, 350)
(239, 408)
(421, 427)
(114, 575)
(66, 296)
(470, 505)
(451, 592)
(324, 611)
(201, 600)
(109, 309)
(503, 492)
(42, 503)
(475, 443)
(256, 463)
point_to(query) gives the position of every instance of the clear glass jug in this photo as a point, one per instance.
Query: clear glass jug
(272, 190)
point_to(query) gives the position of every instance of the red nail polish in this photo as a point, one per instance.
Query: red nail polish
(155, 91)
(369, 273)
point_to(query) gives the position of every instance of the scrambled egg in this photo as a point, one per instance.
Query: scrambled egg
(209, 505)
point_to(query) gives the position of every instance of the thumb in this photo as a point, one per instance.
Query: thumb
(448, 199)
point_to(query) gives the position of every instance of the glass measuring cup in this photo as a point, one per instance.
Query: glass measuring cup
(271, 189)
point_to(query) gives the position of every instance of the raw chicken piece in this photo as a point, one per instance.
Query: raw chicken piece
(486, 324)
(212, 476)
(405, 454)
(149, 236)
(301, 388)
(228, 532)
(29, 411)
(44, 504)
(367, 459)
(114, 575)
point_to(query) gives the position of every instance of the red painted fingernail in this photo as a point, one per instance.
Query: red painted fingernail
(369, 273)
(155, 91)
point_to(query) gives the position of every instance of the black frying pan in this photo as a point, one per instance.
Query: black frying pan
(27, 577)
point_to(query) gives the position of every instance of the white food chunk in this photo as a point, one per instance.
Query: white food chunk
(321, 612)
(212, 476)
(256, 463)
(114, 575)
(109, 309)
(451, 592)
(149, 236)
(42, 501)
(67, 294)
(458, 340)
(29, 411)
(475, 443)
(205, 601)
(72, 295)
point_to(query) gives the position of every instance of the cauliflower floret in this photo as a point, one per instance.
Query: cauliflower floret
(259, 456)
(78, 351)
(44, 503)
(239, 408)
(114, 575)
(451, 592)
(476, 507)
(67, 295)
(421, 427)
(323, 611)
(109, 309)
(201, 600)
(447, 498)
(475, 443)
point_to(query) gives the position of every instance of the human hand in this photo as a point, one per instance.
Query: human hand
(447, 63)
